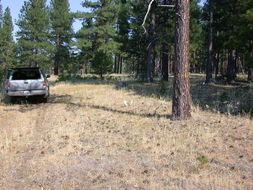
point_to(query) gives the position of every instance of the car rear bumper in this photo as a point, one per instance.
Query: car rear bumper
(26, 93)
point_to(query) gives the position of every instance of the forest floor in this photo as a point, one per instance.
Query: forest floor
(91, 135)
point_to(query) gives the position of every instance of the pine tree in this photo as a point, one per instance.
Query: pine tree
(210, 43)
(99, 31)
(61, 32)
(151, 45)
(33, 36)
(1, 15)
(137, 40)
(101, 63)
(231, 35)
(197, 49)
(165, 38)
(181, 87)
(1, 21)
(84, 43)
(122, 36)
(165, 44)
(245, 32)
(7, 43)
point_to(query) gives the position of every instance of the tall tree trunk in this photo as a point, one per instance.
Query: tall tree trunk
(138, 65)
(217, 62)
(56, 64)
(133, 66)
(154, 62)
(86, 68)
(181, 85)
(231, 69)
(232, 60)
(210, 44)
(165, 61)
(223, 63)
(240, 68)
(165, 48)
(250, 72)
(171, 62)
(57, 56)
(115, 64)
(101, 74)
(150, 77)
(118, 63)
(151, 48)
(121, 64)
(4, 62)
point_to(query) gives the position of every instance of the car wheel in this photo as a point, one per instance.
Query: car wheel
(44, 100)
(11, 99)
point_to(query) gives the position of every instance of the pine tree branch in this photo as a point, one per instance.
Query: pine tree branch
(145, 18)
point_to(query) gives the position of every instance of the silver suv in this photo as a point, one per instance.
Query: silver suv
(27, 82)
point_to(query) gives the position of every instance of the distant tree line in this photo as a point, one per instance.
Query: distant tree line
(112, 39)
(230, 29)
(43, 39)
(7, 45)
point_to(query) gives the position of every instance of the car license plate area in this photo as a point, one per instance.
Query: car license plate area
(26, 92)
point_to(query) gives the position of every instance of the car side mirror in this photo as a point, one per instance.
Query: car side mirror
(48, 76)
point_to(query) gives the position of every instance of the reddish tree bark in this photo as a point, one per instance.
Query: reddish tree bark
(250, 77)
(181, 85)
(165, 47)
(151, 46)
(57, 57)
(231, 68)
(210, 44)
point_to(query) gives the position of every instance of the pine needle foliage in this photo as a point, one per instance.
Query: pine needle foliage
(33, 35)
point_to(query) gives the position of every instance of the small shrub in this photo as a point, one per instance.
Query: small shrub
(140, 76)
(238, 93)
(224, 97)
(202, 159)
(162, 87)
(102, 63)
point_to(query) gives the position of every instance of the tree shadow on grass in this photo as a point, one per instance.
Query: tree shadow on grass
(72, 106)
(33, 103)
(26, 106)
(221, 98)
(90, 80)
(235, 99)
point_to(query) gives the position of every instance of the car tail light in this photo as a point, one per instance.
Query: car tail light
(44, 84)
(8, 84)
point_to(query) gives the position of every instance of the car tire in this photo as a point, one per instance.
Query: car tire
(44, 100)
(11, 99)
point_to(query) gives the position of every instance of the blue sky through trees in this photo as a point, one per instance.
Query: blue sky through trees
(75, 5)
(15, 6)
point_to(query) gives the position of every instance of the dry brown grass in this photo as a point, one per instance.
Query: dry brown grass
(92, 136)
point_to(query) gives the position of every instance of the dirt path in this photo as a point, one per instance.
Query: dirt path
(92, 136)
